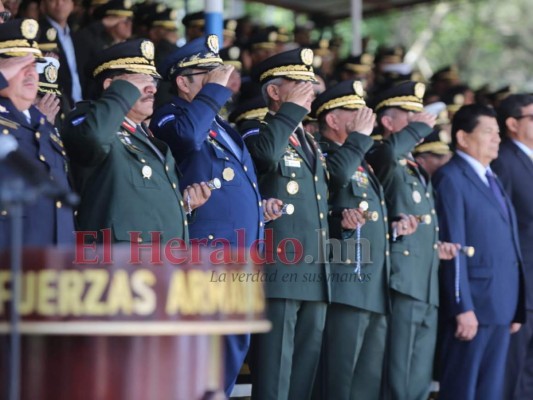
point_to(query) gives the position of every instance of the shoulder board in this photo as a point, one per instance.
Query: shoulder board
(128, 127)
(8, 123)
(166, 118)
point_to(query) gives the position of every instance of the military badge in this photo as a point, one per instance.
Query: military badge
(307, 56)
(420, 89)
(402, 162)
(147, 172)
(360, 177)
(212, 43)
(29, 28)
(363, 205)
(127, 4)
(147, 49)
(228, 174)
(417, 197)
(293, 187)
(3, 109)
(50, 73)
(51, 34)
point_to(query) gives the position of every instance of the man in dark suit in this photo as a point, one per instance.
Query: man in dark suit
(515, 170)
(55, 29)
(207, 147)
(127, 179)
(47, 221)
(482, 298)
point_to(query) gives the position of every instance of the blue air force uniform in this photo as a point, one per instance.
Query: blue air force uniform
(206, 147)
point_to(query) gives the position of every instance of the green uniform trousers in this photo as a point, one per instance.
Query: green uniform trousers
(412, 338)
(284, 361)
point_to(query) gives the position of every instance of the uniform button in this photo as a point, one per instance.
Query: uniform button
(245, 168)
(406, 252)
(76, 213)
(167, 168)
(387, 236)
(433, 211)
(42, 158)
(437, 229)
(174, 186)
(3, 213)
(385, 219)
(185, 223)
(254, 185)
(293, 175)
(260, 223)
(143, 160)
(181, 203)
(318, 197)
(259, 203)
(321, 215)
(364, 195)
(415, 183)
(5, 132)
(37, 135)
(382, 203)
(316, 178)
(59, 204)
(139, 239)
(348, 261)
(387, 253)
(63, 153)
(227, 159)
(210, 237)
(435, 246)
(428, 195)
(323, 233)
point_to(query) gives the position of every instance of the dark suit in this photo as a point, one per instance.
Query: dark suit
(284, 361)
(124, 183)
(47, 221)
(515, 170)
(490, 283)
(234, 213)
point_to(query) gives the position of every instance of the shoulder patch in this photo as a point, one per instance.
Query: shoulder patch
(165, 119)
(77, 121)
(250, 132)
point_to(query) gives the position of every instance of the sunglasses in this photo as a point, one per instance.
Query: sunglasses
(5, 15)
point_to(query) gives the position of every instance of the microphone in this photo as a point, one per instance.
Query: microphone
(29, 170)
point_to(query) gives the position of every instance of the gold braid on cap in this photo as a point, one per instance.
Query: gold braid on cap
(210, 58)
(295, 71)
(351, 101)
(132, 63)
(433, 147)
(256, 113)
(411, 103)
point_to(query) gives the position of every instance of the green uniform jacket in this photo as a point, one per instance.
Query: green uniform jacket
(414, 258)
(351, 183)
(123, 183)
(283, 173)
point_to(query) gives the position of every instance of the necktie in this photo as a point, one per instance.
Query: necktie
(493, 185)
(309, 154)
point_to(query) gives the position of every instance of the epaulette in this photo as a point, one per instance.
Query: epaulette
(8, 123)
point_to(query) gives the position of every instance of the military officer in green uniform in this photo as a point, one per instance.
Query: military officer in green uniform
(127, 179)
(414, 258)
(356, 325)
(290, 167)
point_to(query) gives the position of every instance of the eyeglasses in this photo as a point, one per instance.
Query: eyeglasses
(529, 116)
(5, 15)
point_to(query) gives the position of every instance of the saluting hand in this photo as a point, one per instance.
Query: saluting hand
(196, 195)
(424, 117)
(363, 122)
(11, 66)
(219, 75)
(302, 94)
(49, 106)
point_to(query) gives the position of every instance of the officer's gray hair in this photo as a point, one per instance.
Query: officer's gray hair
(264, 93)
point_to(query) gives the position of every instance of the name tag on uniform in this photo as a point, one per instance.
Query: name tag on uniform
(292, 161)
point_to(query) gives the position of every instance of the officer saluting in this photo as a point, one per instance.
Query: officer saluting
(127, 179)
(46, 222)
